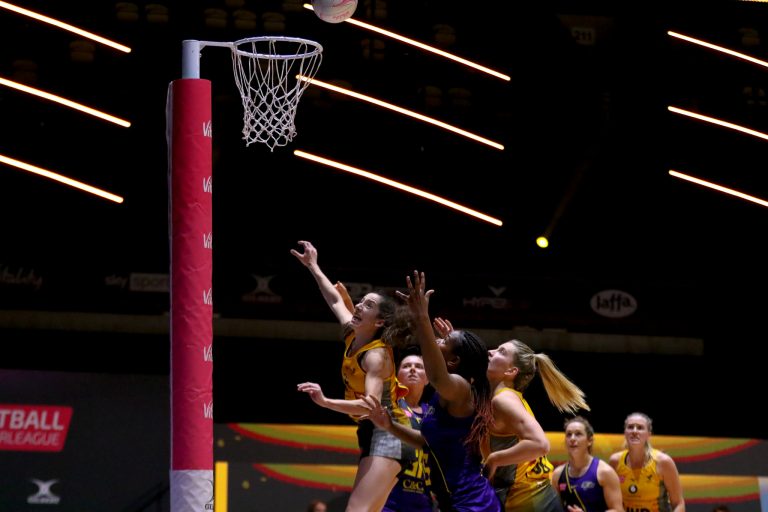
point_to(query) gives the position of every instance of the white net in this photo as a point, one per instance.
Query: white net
(271, 73)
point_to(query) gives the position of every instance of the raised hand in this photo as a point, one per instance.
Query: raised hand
(417, 298)
(309, 256)
(443, 327)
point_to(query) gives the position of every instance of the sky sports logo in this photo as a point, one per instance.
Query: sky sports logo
(38, 428)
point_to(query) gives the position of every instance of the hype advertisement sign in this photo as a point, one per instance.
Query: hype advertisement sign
(34, 428)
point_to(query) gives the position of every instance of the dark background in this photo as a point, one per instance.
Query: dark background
(588, 143)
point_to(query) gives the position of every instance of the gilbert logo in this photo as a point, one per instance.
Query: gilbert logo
(613, 303)
(208, 353)
(208, 185)
(208, 297)
(44, 495)
(262, 293)
(208, 411)
(208, 129)
(207, 240)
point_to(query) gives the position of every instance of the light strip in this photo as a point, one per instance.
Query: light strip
(65, 26)
(718, 122)
(397, 185)
(65, 102)
(401, 110)
(719, 188)
(58, 177)
(423, 46)
(718, 48)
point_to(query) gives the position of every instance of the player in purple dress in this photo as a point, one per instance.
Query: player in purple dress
(585, 483)
(459, 411)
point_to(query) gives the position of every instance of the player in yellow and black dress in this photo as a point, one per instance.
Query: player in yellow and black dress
(413, 491)
(367, 369)
(517, 447)
(648, 477)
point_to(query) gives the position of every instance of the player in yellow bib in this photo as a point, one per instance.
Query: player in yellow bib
(367, 368)
(648, 477)
(517, 447)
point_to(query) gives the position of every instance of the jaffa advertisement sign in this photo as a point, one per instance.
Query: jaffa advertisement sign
(613, 303)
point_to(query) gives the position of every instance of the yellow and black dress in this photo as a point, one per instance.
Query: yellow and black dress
(642, 490)
(524, 487)
(372, 440)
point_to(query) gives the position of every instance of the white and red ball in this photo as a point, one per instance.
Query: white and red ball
(334, 11)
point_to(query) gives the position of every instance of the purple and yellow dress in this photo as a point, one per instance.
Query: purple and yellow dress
(455, 468)
(413, 490)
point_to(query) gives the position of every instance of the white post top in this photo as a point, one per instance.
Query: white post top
(190, 58)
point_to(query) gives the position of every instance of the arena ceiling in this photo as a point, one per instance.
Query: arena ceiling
(588, 142)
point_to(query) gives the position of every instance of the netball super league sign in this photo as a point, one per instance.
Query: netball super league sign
(39, 428)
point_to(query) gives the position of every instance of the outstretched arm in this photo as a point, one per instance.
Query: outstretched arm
(452, 388)
(377, 365)
(315, 392)
(335, 301)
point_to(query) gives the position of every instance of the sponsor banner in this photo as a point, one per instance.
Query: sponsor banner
(157, 283)
(104, 464)
(39, 428)
(20, 277)
(116, 281)
(613, 303)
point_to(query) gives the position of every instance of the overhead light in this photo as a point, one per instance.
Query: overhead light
(718, 48)
(60, 178)
(65, 102)
(719, 188)
(403, 111)
(397, 185)
(65, 26)
(718, 122)
(422, 46)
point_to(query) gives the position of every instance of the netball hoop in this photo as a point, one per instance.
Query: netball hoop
(266, 73)
(265, 70)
